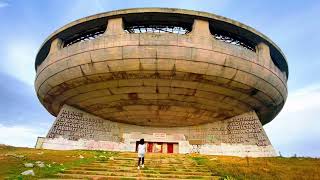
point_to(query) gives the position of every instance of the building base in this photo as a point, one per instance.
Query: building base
(242, 135)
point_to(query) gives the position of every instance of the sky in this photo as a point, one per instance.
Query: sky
(292, 25)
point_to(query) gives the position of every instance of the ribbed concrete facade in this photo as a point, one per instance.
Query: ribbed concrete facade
(161, 81)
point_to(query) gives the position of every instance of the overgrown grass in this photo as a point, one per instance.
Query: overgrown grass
(260, 168)
(12, 162)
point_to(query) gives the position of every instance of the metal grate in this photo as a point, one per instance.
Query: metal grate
(157, 29)
(84, 37)
(232, 39)
(221, 36)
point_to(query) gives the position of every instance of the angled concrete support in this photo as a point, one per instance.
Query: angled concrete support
(115, 26)
(56, 45)
(200, 34)
(264, 57)
(200, 28)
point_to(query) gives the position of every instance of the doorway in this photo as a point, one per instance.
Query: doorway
(150, 147)
(170, 148)
(160, 147)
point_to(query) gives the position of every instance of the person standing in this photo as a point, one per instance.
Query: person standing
(141, 153)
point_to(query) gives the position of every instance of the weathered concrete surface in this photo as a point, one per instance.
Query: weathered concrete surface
(238, 136)
(151, 79)
(206, 95)
(186, 15)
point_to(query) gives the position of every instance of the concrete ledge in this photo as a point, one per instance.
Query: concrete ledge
(237, 71)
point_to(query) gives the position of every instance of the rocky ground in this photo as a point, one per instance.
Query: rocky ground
(28, 163)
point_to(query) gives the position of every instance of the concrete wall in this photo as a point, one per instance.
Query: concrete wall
(239, 136)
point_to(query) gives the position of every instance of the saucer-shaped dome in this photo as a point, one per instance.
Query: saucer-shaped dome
(161, 67)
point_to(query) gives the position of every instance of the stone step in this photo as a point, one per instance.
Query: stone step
(154, 155)
(154, 161)
(140, 176)
(145, 169)
(147, 163)
(146, 159)
(110, 167)
(103, 177)
(60, 179)
(150, 158)
(124, 166)
(136, 171)
(115, 163)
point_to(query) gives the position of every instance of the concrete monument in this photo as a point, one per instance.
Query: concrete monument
(185, 81)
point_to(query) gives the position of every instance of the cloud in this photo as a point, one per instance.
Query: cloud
(304, 99)
(296, 129)
(22, 118)
(3, 4)
(19, 59)
(22, 136)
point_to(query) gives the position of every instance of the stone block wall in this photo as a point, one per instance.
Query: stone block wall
(238, 136)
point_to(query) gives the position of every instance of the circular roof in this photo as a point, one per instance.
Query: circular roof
(164, 14)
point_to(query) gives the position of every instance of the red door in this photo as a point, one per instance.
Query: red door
(150, 147)
(170, 148)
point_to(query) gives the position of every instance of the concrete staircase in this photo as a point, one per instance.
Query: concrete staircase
(124, 166)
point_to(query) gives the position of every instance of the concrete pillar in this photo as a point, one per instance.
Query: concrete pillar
(56, 45)
(263, 52)
(175, 148)
(200, 28)
(200, 34)
(164, 148)
(115, 26)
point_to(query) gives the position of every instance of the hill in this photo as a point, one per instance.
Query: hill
(112, 165)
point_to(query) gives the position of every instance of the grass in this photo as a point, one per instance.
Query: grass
(12, 161)
(260, 168)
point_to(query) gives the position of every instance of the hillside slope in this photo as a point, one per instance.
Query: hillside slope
(81, 164)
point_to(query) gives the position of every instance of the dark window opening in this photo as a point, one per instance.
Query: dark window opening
(84, 36)
(154, 28)
(232, 38)
(278, 65)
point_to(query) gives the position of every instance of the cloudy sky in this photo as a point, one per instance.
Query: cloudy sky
(293, 25)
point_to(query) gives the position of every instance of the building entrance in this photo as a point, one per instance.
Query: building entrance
(150, 147)
(160, 147)
(170, 148)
